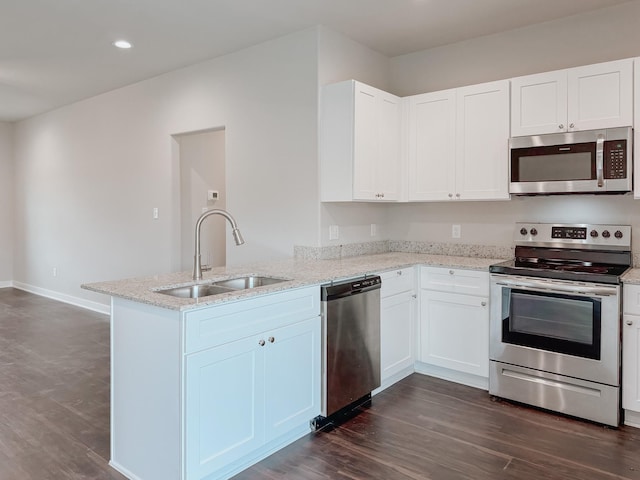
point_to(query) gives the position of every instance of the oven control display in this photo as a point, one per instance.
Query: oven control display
(572, 233)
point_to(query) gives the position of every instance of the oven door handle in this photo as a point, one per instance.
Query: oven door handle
(599, 291)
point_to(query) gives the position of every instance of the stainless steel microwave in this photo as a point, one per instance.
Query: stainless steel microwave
(593, 161)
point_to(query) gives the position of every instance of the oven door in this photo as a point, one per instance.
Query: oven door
(562, 327)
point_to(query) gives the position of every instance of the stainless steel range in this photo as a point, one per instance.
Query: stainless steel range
(555, 319)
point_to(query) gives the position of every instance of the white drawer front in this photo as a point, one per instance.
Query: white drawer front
(631, 298)
(397, 281)
(224, 323)
(455, 280)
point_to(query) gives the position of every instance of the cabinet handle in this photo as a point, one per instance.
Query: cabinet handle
(571, 125)
(272, 339)
(457, 195)
(382, 195)
(561, 126)
(451, 195)
(399, 272)
(414, 296)
(451, 272)
(261, 342)
(484, 304)
(629, 322)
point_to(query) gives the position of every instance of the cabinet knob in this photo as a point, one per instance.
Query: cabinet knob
(561, 126)
(450, 272)
(629, 322)
(484, 304)
(399, 272)
(382, 195)
(571, 125)
(457, 195)
(261, 342)
(272, 339)
(451, 195)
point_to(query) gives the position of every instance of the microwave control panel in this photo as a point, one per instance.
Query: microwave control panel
(615, 159)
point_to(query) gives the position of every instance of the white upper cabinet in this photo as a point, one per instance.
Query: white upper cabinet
(359, 143)
(432, 145)
(458, 144)
(582, 98)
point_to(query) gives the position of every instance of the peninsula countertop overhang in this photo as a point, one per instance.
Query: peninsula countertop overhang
(298, 273)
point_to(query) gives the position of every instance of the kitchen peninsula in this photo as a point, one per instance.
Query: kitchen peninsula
(245, 363)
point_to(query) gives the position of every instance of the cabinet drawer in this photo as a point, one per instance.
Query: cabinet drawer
(232, 321)
(631, 298)
(396, 281)
(455, 280)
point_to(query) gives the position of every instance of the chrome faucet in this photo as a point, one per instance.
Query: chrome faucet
(237, 237)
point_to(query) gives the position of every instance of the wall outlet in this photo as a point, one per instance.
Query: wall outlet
(374, 229)
(54, 271)
(455, 231)
(334, 232)
(156, 213)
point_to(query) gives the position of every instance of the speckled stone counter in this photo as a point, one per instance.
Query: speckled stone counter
(632, 277)
(298, 273)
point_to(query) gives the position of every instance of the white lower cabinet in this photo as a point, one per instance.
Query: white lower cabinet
(203, 394)
(397, 325)
(631, 354)
(454, 324)
(241, 395)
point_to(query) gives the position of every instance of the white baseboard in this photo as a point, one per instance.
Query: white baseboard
(6, 284)
(453, 376)
(62, 297)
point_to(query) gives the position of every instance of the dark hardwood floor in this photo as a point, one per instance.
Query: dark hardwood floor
(54, 420)
(54, 390)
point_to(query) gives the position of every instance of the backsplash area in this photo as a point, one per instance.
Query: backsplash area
(333, 252)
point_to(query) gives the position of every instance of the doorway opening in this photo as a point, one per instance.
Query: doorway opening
(202, 187)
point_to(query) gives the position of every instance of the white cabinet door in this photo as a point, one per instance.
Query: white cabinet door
(631, 363)
(539, 104)
(396, 333)
(582, 98)
(454, 332)
(600, 96)
(482, 148)
(432, 146)
(359, 143)
(224, 405)
(292, 376)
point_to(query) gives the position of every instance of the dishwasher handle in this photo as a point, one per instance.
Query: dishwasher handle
(333, 291)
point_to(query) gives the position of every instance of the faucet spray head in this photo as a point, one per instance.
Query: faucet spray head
(237, 236)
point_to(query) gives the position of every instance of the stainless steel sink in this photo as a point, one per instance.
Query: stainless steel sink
(223, 286)
(196, 291)
(251, 281)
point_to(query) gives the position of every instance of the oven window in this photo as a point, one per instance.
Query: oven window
(555, 322)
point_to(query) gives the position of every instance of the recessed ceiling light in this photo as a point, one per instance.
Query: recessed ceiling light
(121, 44)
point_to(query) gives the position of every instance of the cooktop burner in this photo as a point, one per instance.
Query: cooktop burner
(584, 253)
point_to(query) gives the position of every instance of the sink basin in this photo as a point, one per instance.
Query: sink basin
(196, 291)
(223, 286)
(251, 281)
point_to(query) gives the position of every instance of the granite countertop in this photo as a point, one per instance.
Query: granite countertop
(298, 273)
(632, 277)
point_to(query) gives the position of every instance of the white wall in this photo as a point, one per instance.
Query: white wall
(6, 204)
(341, 58)
(594, 37)
(89, 175)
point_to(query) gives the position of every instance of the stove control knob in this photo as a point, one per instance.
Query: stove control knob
(606, 234)
(593, 233)
(523, 231)
(618, 234)
(534, 232)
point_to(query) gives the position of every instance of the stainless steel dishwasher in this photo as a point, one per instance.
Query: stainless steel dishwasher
(351, 346)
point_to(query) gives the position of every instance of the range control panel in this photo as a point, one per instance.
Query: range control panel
(586, 235)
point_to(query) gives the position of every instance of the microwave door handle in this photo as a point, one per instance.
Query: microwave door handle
(600, 160)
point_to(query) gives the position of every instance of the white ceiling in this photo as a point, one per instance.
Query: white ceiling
(55, 52)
